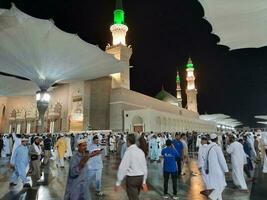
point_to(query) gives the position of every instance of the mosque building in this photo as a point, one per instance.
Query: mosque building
(107, 102)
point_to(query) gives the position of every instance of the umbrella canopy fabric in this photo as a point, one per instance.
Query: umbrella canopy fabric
(37, 50)
(238, 23)
(221, 119)
(263, 118)
(10, 86)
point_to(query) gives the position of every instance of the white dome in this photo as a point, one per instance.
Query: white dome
(36, 49)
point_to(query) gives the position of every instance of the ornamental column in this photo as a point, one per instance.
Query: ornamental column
(119, 48)
(52, 116)
(178, 90)
(18, 128)
(28, 127)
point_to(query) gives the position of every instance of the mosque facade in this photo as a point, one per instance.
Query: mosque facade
(107, 103)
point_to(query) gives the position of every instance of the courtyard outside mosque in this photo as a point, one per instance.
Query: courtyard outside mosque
(54, 184)
(72, 128)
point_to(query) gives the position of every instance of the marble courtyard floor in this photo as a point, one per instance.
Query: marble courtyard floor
(54, 181)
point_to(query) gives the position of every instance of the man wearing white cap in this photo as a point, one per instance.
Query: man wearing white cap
(215, 167)
(202, 156)
(95, 166)
(77, 184)
(35, 152)
(20, 162)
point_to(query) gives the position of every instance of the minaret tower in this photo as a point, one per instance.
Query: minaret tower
(119, 48)
(178, 90)
(191, 90)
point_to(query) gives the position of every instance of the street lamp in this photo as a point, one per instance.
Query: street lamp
(42, 98)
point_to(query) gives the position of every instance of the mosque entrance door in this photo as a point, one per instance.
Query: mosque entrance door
(138, 128)
(138, 124)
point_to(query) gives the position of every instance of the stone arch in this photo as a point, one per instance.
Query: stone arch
(13, 113)
(20, 113)
(3, 111)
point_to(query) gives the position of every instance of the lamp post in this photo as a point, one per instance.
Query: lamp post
(42, 98)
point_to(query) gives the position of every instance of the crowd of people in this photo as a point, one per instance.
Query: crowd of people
(85, 152)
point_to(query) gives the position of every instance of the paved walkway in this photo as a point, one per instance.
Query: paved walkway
(55, 181)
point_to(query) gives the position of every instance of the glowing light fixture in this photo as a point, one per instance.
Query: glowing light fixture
(42, 96)
(190, 65)
(118, 16)
(119, 29)
(178, 79)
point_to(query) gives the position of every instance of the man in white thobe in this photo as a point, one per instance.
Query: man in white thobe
(264, 150)
(185, 153)
(161, 141)
(6, 148)
(238, 160)
(250, 139)
(112, 143)
(154, 149)
(134, 167)
(17, 142)
(68, 154)
(202, 156)
(216, 167)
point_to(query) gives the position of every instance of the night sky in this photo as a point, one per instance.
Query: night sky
(163, 34)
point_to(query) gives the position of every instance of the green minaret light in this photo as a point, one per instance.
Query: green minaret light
(190, 63)
(178, 78)
(119, 13)
(119, 29)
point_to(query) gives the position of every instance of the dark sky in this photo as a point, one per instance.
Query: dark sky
(163, 34)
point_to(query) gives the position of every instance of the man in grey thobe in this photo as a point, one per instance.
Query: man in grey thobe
(77, 184)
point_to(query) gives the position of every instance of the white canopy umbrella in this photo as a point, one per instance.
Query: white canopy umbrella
(10, 86)
(238, 23)
(213, 117)
(259, 122)
(221, 119)
(36, 49)
(264, 117)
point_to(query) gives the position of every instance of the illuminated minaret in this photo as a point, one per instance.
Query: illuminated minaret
(191, 90)
(178, 90)
(119, 48)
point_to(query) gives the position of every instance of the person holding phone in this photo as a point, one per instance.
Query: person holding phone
(95, 165)
(77, 184)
